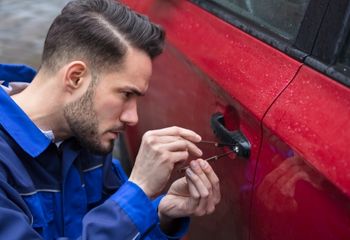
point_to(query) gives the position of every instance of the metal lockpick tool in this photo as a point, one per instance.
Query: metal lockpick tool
(215, 157)
(221, 144)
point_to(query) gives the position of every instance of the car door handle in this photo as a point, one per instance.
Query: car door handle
(241, 144)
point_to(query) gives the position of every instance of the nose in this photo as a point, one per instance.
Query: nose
(129, 115)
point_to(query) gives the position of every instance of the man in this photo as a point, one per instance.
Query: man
(57, 176)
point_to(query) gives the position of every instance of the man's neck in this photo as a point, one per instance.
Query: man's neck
(44, 106)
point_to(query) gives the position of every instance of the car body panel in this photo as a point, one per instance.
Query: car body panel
(225, 53)
(203, 70)
(293, 200)
(313, 116)
(193, 109)
(302, 180)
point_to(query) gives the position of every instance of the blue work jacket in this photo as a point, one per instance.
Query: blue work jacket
(50, 192)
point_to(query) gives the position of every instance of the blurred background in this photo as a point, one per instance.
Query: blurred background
(23, 27)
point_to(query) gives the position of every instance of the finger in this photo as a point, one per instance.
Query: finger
(181, 145)
(197, 166)
(213, 179)
(193, 192)
(202, 190)
(177, 131)
(150, 139)
(165, 139)
(197, 169)
(176, 157)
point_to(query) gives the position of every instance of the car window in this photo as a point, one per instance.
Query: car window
(330, 53)
(342, 64)
(344, 58)
(282, 17)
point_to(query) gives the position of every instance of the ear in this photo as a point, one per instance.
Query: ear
(76, 76)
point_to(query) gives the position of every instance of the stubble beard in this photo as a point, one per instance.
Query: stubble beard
(83, 123)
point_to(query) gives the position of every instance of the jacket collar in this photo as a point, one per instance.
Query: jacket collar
(16, 122)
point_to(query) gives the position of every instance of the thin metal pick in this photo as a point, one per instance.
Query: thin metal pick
(213, 158)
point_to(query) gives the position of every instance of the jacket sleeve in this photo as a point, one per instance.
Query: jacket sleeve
(182, 225)
(128, 214)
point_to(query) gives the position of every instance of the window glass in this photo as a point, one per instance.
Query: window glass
(345, 54)
(283, 17)
(343, 62)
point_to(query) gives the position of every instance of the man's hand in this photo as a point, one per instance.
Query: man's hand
(195, 194)
(160, 150)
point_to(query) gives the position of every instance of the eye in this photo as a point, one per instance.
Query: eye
(128, 95)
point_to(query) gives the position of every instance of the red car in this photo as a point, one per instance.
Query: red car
(271, 77)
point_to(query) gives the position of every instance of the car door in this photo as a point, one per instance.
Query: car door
(303, 178)
(224, 64)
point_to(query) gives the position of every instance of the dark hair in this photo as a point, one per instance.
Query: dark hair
(100, 32)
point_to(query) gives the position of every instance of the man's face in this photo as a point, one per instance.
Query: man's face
(102, 112)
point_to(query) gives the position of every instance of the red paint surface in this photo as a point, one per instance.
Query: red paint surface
(183, 96)
(313, 116)
(293, 200)
(249, 70)
(302, 183)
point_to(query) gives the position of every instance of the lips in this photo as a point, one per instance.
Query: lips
(116, 132)
(118, 129)
(113, 134)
